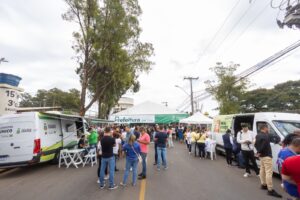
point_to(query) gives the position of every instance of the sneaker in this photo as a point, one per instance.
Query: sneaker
(165, 168)
(264, 187)
(274, 194)
(133, 184)
(98, 181)
(158, 169)
(142, 177)
(141, 174)
(113, 187)
(123, 184)
(102, 186)
(116, 170)
(246, 175)
(106, 177)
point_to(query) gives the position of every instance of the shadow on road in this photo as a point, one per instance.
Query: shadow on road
(23, 171)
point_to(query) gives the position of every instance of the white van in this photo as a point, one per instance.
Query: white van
(35, 137)
(280, 124)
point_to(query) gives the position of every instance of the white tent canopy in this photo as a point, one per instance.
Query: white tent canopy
(197, 118)
(148, 112)
(147, 108)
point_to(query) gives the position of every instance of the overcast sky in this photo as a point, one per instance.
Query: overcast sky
(37, 43)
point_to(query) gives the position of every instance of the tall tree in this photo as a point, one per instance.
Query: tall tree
(69, 100)
(227, 90)
(108, 47)
(84, 13)
(283, 97)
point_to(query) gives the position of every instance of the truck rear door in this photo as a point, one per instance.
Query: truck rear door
(16, 141)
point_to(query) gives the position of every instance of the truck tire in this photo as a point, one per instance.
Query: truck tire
(56, 158)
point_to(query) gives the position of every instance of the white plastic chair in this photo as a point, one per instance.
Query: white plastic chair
(211, 149)
(90, 157)
(63, 158)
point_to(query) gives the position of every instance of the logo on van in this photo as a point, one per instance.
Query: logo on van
(6, 130)
(18, 131)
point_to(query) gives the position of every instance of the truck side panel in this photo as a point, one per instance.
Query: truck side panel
(51, 138)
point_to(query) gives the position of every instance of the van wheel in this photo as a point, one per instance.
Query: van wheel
(56, 158)
(219, 152)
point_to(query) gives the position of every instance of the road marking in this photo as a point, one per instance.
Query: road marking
(143, 190)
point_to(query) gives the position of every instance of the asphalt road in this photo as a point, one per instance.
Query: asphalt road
(188, 178)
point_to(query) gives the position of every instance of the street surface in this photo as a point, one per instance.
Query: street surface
(188, 178)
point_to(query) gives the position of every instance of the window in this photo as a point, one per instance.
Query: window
(287, 127)
(271, 130)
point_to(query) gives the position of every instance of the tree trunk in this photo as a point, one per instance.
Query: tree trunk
(99, 108)
(83, 93)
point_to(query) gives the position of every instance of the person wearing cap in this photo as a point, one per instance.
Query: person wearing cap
(246, 138)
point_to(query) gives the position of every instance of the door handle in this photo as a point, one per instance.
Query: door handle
(17, 147)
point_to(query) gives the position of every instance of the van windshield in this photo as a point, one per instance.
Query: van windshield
(287, 127)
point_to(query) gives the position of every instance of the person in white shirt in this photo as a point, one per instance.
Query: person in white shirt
(170, 139)
(246, 138)
(116, 148)
(189, 140)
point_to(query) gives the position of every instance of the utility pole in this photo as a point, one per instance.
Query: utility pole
(191, 79)
(165, 102)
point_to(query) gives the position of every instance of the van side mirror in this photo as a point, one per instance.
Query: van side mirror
(275, 139)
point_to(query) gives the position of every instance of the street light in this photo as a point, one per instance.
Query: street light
(183, 90)
(3, 60)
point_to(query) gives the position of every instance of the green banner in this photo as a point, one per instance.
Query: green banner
(167, 119)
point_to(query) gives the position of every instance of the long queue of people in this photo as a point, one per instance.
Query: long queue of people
(242, 149)
(197, 141)
(113, 143)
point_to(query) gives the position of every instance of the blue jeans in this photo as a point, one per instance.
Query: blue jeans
(161, 155)
(144, 164)
(111, 163)
(130, 164)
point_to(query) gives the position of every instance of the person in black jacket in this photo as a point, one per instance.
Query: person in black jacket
(264, 152)
(228, 141)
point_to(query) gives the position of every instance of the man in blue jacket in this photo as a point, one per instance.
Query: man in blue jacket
(228, 141)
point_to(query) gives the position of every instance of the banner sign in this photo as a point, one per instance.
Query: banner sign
(9, 97)
(137, 119)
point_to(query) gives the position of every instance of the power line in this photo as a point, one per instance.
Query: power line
(218, 31)
(270, 61)
(246, 28)
(235, 25)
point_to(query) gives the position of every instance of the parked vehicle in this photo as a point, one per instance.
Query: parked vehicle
(280, 124)
(35, 137)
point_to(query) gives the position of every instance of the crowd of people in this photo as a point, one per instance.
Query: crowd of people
(131, 143)
(246, 147)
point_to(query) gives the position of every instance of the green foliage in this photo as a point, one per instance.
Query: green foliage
(108, 48)
(284, 97)
(69, 100)
(227, 90)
